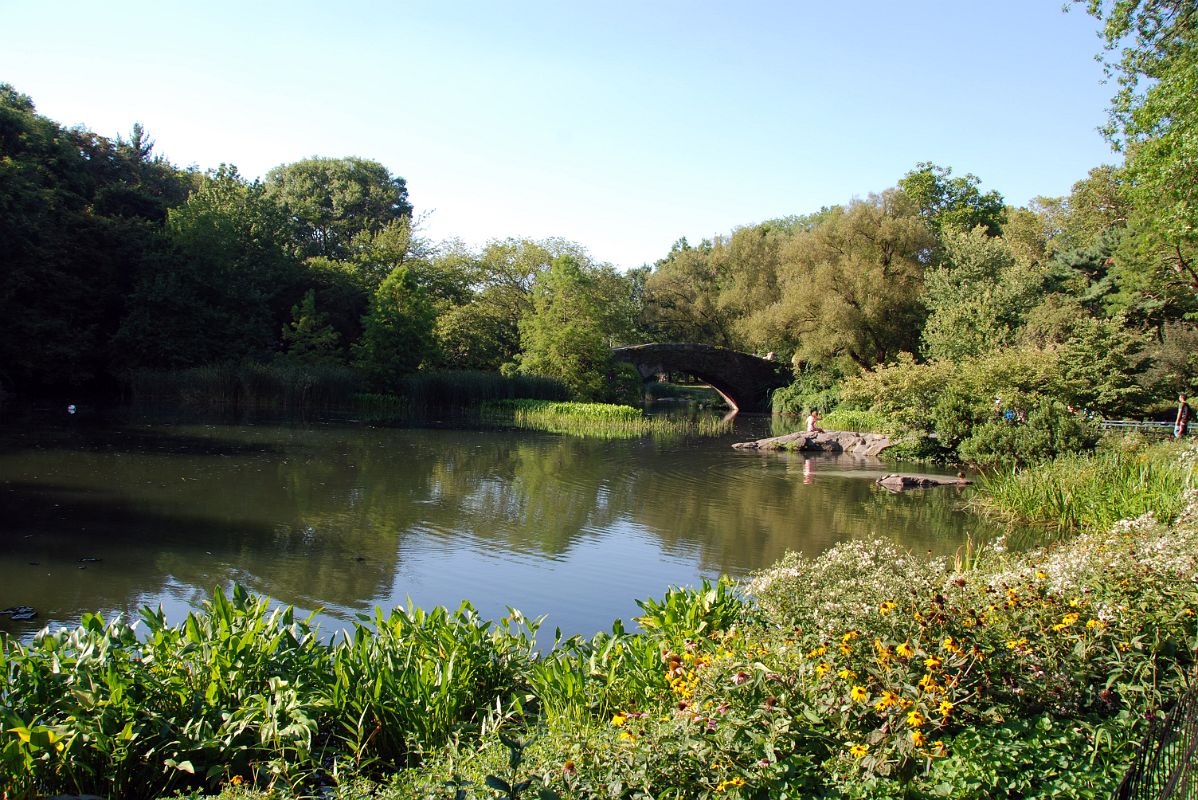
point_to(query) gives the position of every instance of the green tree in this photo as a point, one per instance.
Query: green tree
(1154, 119)
(947, 202)
(334, 205)
(565, 336)
(81, 217)
(495, 286)
(228, 287)
(309, 338)
(397, 333)
(977, 296)
(850, 288)
(682, 296)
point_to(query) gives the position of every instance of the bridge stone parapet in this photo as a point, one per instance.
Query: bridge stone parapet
(743, 380)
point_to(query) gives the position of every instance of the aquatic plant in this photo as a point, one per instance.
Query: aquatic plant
(1092, 491)
(599, 420)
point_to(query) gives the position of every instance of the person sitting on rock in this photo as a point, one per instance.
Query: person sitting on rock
(812, 419)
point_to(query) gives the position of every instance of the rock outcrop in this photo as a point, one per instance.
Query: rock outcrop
(851, 442)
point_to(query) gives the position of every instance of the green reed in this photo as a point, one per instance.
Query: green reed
(252, 385)
(597, 420)
(1090, 491)
(469, 388)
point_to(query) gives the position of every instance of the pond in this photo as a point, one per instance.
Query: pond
(113, 513)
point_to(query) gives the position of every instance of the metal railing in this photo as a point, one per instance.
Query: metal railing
(1140, 426)
(1166, 766)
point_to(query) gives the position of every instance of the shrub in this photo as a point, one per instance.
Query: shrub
(1050, 429)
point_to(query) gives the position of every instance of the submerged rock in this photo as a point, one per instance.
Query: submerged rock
(19, 612)
(898, 483)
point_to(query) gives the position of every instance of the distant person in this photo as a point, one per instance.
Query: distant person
(812, 419)
(1184, 412)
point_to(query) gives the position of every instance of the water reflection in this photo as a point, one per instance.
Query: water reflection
(345, 517)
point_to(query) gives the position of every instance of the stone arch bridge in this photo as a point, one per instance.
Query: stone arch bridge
(744, 381)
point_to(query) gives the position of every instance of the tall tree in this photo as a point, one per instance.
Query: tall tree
(80, 217)
(397, 333)
(682, 296)
(227, 289)
(1152, 48)
(565, 336)
(335, 204)
(850, 287)
(947, 202)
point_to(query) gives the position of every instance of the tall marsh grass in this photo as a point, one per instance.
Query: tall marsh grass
(252, 385)
(1092, 491)
(597, 420)
(469, 388)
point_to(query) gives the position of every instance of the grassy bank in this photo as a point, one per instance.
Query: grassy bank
(865, 672)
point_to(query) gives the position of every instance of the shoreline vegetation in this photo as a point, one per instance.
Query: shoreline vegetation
(864, 672)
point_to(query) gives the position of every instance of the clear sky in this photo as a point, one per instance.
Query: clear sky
(621, 125)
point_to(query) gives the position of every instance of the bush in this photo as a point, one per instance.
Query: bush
(1049, 430)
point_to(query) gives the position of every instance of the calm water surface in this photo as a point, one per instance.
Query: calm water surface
(111, 515)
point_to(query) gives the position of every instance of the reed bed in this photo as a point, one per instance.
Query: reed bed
(469, 388)
(597, 420)
(252, 385)
(1092, 491)
(843, 419)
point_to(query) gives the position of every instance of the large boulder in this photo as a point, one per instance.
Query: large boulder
(851, 442)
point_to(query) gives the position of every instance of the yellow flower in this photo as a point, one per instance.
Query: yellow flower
(917, 617)
(904, 650)
(1041, 575)
(915, 719)
(817, 652)
(887, 607)
(822, 669)
(932, 662)
(858, 750)
(847, 674)
(1094, 623)
(1070, 618)
(625, 736)
(889, 699)
(618, 720)
(917, 738)
(730, 783)
(858, 694)
(945, 708)
(236, 780)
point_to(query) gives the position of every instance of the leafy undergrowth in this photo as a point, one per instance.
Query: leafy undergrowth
(865, 672)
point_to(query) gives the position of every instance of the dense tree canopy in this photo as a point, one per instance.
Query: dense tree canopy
(114, 261)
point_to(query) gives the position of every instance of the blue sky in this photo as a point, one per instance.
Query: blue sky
(620, 125)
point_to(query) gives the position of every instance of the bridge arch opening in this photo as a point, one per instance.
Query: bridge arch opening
(743, 380)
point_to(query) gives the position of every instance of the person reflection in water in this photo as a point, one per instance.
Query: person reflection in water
(807, 470)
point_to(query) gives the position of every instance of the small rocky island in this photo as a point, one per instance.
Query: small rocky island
(851, 442)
